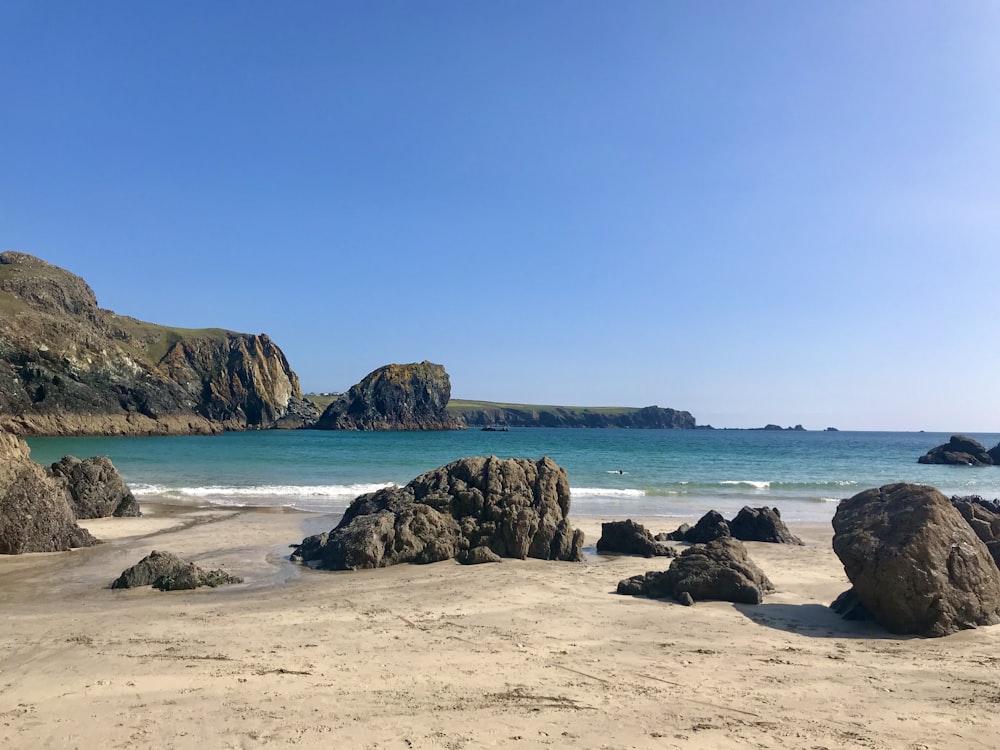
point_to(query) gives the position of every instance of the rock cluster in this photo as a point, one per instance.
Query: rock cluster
(472, 507)
(720, 569)
(67, 367)
(915, 563)
(750, 525)
(984, 518)
(962, 451)
(630, 538)
(35, 513)
(395, 397)
(167, 572)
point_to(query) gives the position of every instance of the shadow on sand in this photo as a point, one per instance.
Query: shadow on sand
(813, 621)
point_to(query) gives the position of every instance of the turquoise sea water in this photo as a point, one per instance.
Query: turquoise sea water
(663, 472)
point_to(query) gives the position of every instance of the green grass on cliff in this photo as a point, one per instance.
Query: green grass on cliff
(158, 339)
(458, 406)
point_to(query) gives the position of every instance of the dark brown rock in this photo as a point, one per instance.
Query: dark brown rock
(914, 562)
(478, 556)
(761, 525)
(395, 397)
(168, 572)
(630, 538)
(719, 570)
(959, 451)
(96, 489)
(710, 526)
(514, 507)
(35, 514)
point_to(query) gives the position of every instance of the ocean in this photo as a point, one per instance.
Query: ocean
(612, 472)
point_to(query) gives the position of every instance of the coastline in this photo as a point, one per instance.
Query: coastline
(528, 653)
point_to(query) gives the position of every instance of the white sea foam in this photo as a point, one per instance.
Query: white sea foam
(603, 492)
(747, 483)
(266, 490)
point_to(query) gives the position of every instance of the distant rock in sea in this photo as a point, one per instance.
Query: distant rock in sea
(512, 507)
(962, 451)
(67, 367)
(395, 397)
(527, 415)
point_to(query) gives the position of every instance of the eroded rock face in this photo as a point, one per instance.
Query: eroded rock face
(95, 488)
(915, 564)
(719, 570)
(35, 514)
(68, 367)
(984, 518)
(168, 572)
(513, 507)
(960, 451)
(395, 397)
(631, 538)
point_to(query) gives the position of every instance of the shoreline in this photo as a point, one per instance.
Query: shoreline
(528, 653)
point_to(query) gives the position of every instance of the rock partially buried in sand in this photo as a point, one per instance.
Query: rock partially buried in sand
(719, 570)
(167, 572)
(916, 565)
(35, 514)
(630, 538)
(514, 507)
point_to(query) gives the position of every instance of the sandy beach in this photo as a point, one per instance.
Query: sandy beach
(520, 654)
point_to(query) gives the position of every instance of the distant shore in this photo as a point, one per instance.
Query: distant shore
(524, 653)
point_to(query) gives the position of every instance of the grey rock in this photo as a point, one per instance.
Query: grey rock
(631, 538)
(478, 556)
(710, 526)
(96, 489)
(914, 562)
(168, 572)
(984, 518)
(515, 507)
(761, 525)
(960, 451)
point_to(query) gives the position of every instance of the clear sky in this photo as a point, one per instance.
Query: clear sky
(758, 212)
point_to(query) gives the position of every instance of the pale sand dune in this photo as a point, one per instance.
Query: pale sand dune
(520, 654)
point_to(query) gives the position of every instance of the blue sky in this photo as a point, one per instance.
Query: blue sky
(756, 211)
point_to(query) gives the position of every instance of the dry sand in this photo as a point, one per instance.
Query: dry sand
(520, 654)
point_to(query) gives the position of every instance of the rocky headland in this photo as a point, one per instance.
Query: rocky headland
(395, 397)
(68, 367)
(524, 415)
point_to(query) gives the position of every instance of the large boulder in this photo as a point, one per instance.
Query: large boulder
(35, 514)
(631, 538)
(719, 570)
(984, 518)
(395, 397)
(960, 451)
(168, 572)
(95, 488)
(514, 507)
(710, 527)
(915, 564)
(761, 525)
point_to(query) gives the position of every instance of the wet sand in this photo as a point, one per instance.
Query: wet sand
(519, 654)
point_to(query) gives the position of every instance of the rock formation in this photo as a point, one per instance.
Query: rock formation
(719, 570)
(750, 525)
(94, 487)
(961, 451)
(915, 564)
(167, 572)
(984, 518)
(35, 514)
(524, 415)
(631, 538)
(395, 397)
(68, 367)
(514, 507)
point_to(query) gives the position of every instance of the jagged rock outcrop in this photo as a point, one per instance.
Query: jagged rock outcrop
(984, 517)
(35, 514)
(630, 538)
(647, 417)
(719, 570)
(513, 507)
(395, 397)
(94, 487)
(915, 564)
(68, 367)
(961, 451)
(168, 572)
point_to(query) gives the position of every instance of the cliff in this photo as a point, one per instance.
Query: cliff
(524, 415)
(395, 397)
(67, 367)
